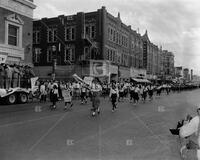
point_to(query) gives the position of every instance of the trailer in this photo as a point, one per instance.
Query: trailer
(18, 94)
(14, 95)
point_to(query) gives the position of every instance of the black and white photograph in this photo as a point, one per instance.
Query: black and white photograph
(99, 79)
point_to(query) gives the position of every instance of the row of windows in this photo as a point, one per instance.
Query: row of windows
(89, 54)
(135, 43)
(69, 54)
(117, 37)
(112, 55)
(69, 33)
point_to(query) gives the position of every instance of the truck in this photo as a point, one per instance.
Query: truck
(18, 94)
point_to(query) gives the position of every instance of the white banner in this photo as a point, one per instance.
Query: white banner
(3, 58)
(134, 72)
(33, 80)
(98, 68)
(88, 80)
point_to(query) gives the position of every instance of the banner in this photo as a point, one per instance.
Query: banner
(80, 80)
(3, 58)
(88, 80)
(33, 80)
(134, 72)
(98, 68)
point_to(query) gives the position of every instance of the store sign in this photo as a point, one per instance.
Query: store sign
(113, 69)
(3, 58)
(134, 72)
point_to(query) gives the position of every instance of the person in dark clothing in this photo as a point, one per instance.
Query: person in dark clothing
(114, 94)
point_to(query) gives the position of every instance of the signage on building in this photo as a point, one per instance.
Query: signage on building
(98, 68)
(136, 73)
(113, 69)
(3, 58)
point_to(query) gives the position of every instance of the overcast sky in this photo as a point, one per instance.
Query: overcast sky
(174, 24)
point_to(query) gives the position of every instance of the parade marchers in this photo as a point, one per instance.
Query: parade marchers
(117, 92)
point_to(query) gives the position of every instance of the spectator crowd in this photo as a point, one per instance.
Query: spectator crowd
(14, 75)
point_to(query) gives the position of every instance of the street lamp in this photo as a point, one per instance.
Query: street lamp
(54, 62)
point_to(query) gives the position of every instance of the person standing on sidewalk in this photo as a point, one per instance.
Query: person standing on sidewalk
(114, 94)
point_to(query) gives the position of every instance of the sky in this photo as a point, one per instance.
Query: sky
(174, 24)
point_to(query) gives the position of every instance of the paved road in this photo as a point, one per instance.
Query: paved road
(131, 133)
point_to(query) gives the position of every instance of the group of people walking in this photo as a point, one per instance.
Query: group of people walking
(117, 93)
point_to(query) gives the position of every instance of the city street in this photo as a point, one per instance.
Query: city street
(138, 132)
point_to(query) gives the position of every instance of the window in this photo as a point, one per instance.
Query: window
(49, 54)
(70, 33)
(87, 30)
(13, 30)
(37, 55)
(67, 34)
(90, 30)
(86, 53)
(36, 36)
(93, 32)
(13, 35)
(107, 55)
(114, 35)
(69, 54)
(117, 39)
(52, 35)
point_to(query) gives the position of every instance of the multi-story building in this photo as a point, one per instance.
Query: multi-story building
(80, 38)
(168, 64)
(178, 72)
(16, 30)
(77, 40)
(152, 57)
(186, 74)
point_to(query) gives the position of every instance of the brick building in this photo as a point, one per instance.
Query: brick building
(77, 40)
(16, 30)
(83, 37)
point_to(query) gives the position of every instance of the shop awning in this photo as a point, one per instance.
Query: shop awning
(141, 80)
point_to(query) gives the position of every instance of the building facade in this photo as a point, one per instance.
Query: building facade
(152, 57)
(16, 30)
(83, 37)
(76, 40)
(168, 64)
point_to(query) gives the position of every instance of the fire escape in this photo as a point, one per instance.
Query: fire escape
(93, 48)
